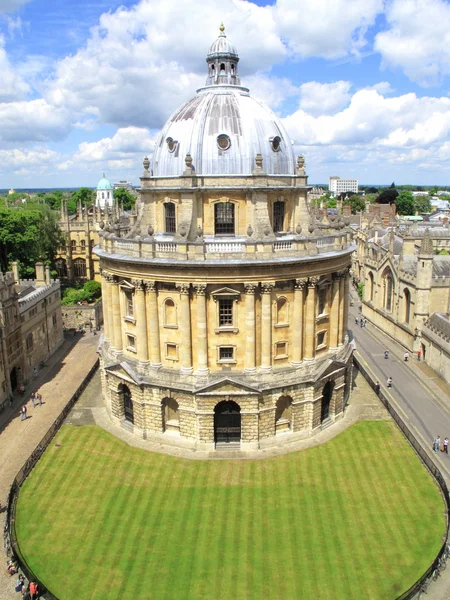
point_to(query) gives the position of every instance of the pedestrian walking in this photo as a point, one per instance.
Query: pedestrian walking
(356, 321)
(362, 323)
(35, 372)
(23, 413)
(446, 445)
(386, 354)
(405, 357)
(389, 382)
(39, 399)
(377, 388)
(33, 399)
(33, 590)
(438, 443)
(419, 355)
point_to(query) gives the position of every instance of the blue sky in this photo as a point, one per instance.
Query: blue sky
(362, 87)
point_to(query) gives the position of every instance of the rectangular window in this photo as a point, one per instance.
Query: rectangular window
(225, 312)
(323, 300)
(321, 338)
(226, 354)
(171, 352)
(169, 210)
(129, 308)
(131, 342)
(280, 350)
(54, 320)
(278, 216)
(224, 218)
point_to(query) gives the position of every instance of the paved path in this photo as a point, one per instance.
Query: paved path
(420, 396)
(56, 382)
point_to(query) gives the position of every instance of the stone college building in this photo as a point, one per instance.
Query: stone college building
(226, 298)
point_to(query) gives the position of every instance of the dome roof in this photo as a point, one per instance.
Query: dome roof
(223, 127)
(104, 184)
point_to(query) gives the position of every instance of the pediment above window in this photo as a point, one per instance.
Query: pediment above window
(226, 293)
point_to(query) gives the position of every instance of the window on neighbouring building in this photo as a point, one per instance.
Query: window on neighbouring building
(79, 267)
(224, 218)
(321, 338)
(83, 244)
(169, 214)
(226, 353)
(29, 342)
(407, 304)
(278, 216)
(73, 245)
(225, 312)
(54, 320)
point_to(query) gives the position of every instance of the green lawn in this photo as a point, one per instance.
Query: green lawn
(357, 518)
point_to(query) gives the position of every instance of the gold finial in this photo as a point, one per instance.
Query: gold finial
(222, 28)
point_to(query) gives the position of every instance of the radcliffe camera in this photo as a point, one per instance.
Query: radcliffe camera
(224, 300)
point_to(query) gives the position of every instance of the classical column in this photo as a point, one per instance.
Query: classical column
(141, 321)
(202, 332)
(345, 301)
(310, 319)
(116, 316)
(153, 324)
(106, 306)
(250, 328)
(298, 327)
(334, 313)
(266, 326)
(341, 333)
(185, 324)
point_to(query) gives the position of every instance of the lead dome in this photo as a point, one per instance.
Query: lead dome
(223, 127)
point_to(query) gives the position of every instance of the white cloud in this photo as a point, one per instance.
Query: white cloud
(125, 142)
(327, 28)
(273, 91)
(12, 87)
(20, 160)
(417, 40)
(324, 98)
(32, 121)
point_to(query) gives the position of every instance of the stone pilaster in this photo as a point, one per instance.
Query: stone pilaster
(266, 326)
(202, 333)
(334, 313)
(341, 307)
(297, 325)
(116, 314)
(153, 324)
(310, 319)
(186, 340)
(250, 334)
(346, 301)
(106, 304)
(141, 321)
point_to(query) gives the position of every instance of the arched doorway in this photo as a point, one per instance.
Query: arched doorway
(227, 423)
(128, 408)
(327, 393)
(283, 414)
(13, 378)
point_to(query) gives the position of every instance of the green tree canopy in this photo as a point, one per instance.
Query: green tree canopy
(422, 204)
(387, 196)
(356, 202)
(405, 203)
(83, 194)
(124, 197)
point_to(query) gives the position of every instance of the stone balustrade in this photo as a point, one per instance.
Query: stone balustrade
(214, 249)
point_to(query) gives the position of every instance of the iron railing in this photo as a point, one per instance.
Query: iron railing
(10, 542)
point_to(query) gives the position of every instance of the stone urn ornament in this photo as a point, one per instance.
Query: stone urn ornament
(249, 231)
(183, 231)
(298, 229)
(150, 231)
(102, 224)
(266, 230)
(199, 232)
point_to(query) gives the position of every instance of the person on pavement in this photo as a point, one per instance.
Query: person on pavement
(446, 445)
(377, 387)
(389, 382)
(405, 357)
(386, 354)
(419, 355)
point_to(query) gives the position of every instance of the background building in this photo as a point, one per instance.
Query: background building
(105, 193)
(341, 186)
(226, 300)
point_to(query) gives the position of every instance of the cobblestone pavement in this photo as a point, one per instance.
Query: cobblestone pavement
(56, 382)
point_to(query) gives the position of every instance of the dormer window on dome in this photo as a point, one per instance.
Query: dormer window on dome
(171, 144)
(223, 141)
(275, 142)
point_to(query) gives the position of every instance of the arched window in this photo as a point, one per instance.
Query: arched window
(282, 311)
(83, 245)
(79, 267)
(278, 216)
(103, 195)
(29, 342)
(224, 218)
(322, 299)
(327, 394)
(169, 216)
(128, 409)
(171, 415)
(283, 414)
(222, 69)
(388, 281)
(406, 305)
(61, 268)
(170, 313)
(370, 289)
(73, 245)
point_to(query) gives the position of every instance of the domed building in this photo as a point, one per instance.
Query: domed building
(105, 193)
(226, 297)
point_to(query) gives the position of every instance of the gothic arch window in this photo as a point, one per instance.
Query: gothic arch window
(73, 245)
(283, 414)
(127, 402)
(169, 217)
(406, 305)
(278, 216)
(61, 268)
(29, 342)
(222, 69)
(370, 287)
(388, 281)
(224, 218)
(170, 313)
(282, 311)
(171, 415)
(83, 245)
(79, 267)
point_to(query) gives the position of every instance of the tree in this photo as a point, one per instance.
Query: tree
(124, 197)
(356, 202)
(372, 190)
(405, 203)
(422, 204)
(388, 196)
